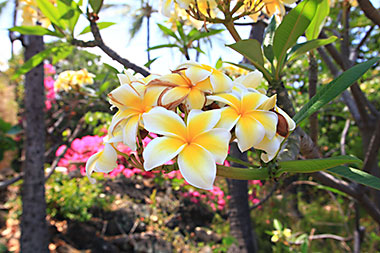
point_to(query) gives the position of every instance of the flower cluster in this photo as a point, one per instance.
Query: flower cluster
(71, 79)
(213, 9)
(195, 112)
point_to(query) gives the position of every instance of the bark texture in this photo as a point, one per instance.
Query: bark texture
(34, 232)
(238, 208)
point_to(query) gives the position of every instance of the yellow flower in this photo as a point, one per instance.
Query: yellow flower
(103, 161)
(64, 79)
(243, 110)
(276, 7)
(190, 84)
(132, 99)
(275, 236)
(197, 144)
(285, 125)
(82, 77)
(287, 232)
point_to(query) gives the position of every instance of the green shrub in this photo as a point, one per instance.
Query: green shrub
(73, 198)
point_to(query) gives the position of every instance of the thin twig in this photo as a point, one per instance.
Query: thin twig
(343, 137)
(6, 183)
(267, 197)
(373, 149)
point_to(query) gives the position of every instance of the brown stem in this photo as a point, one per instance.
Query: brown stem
(370, 11)
(231, 28)
(313, 80)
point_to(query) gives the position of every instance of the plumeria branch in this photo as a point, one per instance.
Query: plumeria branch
(98, 42)
(243, 173)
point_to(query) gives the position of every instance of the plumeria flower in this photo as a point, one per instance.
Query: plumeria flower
(284, 126)
(166, 6)
(103, 161)
(190, 84)
(251, 123)
(251, 80)
(197, 144)
(132, 99)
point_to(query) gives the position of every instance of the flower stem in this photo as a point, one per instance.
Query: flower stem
(242, 174)
(231, 28)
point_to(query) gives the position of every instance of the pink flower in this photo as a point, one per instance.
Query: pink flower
(49, 69)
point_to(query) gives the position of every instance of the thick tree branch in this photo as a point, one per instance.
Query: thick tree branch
(370, 11)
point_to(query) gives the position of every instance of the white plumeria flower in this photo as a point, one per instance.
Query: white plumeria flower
(197, 144)
(103, 161)
(251, 80)
(132, 99)
(243, 111)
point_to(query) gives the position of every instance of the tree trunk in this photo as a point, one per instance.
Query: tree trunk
(34, 231)
(238, 208)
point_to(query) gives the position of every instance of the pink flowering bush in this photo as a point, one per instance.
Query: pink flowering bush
(82, 148)
(49, 86)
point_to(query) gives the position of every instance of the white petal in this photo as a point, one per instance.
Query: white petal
(161, 150)
(197, 166)
(90, 165)
(162, 121)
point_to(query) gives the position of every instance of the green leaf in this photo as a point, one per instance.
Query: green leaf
(51, 12)
(330, 91)
(101, 25)
(5, 126)
(70, 13)
(62, 52)
(57, 52)
(219, 63)
(291, 28)
(162, 46)
(35, 30)
(302, 48)
(315, 27)
(201, 35)
(181, 32)
(268, 52)
(96, 5)
(356, 175)
(251, 49)
(150, 62)
(277, 225)
(242, 65)
(168, 32)
(313, 165)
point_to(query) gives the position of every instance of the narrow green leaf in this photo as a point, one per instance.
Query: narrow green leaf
(356, 175)
(168, 32)
(101, 25)
(333, 89)
(150, 62)
(56, 51)
(251, 49)
(302, 48)
(291, 28)
(315, 27)
(313, 165)
(162, 46)
(70, 13)
(62, 52)
(51, 12)
(35, 30)
(202, 35)
(181, 32)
